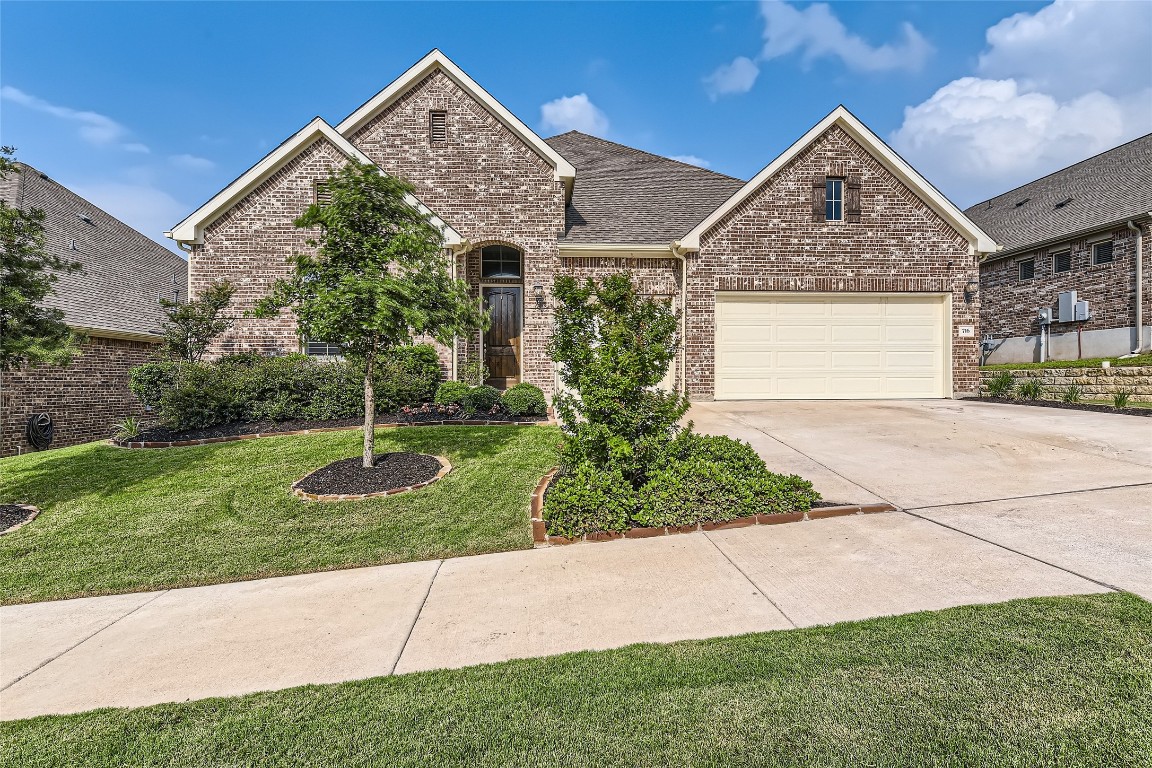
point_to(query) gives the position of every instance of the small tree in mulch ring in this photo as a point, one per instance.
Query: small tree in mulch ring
(378, 277)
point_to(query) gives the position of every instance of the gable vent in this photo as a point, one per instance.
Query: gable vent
(321, 193)
(438, 126)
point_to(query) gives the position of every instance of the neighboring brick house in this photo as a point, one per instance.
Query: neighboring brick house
(1084, 229)
(838, 272)
(113, 302)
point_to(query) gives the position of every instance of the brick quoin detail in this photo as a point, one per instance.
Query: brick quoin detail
(85, 399)
(770, 243)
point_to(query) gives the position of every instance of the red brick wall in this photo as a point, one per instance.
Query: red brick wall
(251, 243)
(1008, 304)
(771, 243)
(484, 181)
(84, 399)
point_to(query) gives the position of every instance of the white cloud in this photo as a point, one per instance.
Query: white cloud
(192, 162)
(94, 127)
(143, 207)
(815, 33)
(690, 160)
(573, 113)
(1032, 110)
(737, 77)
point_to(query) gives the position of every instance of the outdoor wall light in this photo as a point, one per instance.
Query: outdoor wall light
(971, 288)
(538, 294)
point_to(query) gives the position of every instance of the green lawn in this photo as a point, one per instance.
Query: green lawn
(1086, 363)
(1042, 682)
(117, 520)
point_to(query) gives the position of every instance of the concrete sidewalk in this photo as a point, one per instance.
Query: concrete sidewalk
(132, 650)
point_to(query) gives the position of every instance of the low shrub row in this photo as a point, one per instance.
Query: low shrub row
(251, 387)
(1005, 385)
(702, 478)
(518, 400)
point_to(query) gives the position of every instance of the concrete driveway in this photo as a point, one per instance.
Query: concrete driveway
(1068, 488)
(1002, 502)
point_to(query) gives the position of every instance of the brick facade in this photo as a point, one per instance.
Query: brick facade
(84, 399)
(771, 243)
(1008, 304)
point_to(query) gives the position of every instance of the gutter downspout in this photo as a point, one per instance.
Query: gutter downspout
(1139, 347)
(680, 252)
(456, 251)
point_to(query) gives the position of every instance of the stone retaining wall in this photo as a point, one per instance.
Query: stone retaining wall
(1095, 383)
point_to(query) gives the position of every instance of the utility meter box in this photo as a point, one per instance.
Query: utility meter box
(1066, 306)
(1081, 312)
(1044, 315)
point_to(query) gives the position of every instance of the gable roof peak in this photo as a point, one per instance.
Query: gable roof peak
(437, 60)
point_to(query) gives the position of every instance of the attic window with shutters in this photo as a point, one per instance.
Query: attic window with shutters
(1062, 262)
(834, 199)
(320, 192)
(1102, 252)
(438, 126)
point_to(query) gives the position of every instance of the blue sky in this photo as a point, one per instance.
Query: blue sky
(149, 108)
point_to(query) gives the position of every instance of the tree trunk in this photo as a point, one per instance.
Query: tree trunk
(369, 414)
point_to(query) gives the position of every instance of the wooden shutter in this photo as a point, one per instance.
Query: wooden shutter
(819, 189)
(852, 201)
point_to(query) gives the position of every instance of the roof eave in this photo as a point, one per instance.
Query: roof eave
(1078, 234)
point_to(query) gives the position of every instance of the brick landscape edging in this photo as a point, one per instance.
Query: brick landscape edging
(445, 468)
(21, 524)
(541, 537)
(549, 422)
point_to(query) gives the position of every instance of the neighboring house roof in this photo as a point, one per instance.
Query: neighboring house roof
(191, 229)
(124, 273)
(979, 241)
(437, 60)
(625, 195)
(1099, 192)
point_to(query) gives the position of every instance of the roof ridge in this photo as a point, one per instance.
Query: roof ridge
(644, 152)
(1059, 171)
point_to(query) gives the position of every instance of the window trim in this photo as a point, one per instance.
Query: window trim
(1031, 262)
(501, 275)
(1111, 251)
(834, 184)
(1056, 255)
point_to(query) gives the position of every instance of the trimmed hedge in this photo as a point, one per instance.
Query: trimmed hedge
(524, 400)
(250, 387)
(702, 478)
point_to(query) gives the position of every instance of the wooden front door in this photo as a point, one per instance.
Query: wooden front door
(502, 339)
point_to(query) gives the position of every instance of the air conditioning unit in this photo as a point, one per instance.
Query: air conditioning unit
(1066, 306)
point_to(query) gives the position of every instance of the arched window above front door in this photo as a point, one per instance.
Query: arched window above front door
(500, 261)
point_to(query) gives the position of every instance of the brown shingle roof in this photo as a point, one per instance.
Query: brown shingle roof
(625, 195)
(1101, 190)
(123, 273)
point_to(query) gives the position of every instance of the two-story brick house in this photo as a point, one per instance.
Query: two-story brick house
(837, 272)
(1082, 229)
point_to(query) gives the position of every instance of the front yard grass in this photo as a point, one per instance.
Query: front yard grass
(1087, 363)
(1041, 682)
(117, 520)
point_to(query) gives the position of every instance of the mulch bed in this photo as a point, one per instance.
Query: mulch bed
(1098, 408)
(421, 415)
(12, 515)
(392, 470)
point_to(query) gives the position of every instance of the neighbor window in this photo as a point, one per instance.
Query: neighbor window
(438, 126)
(1062, 262)
(499, 261)
(1027, 269)
(322, 349)
(834, 200)
(1102, 252)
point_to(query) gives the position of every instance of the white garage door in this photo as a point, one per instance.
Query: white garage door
(829, 346)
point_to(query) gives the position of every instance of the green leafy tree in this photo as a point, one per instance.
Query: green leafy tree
(190, 327)
(30, 333)
(614, 348)
(378, 278)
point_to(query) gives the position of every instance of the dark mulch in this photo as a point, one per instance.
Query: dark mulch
(1072, 406)
(392, 470)
(417, 415)
(11, 514)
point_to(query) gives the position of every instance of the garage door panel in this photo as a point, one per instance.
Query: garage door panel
(824, 346)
